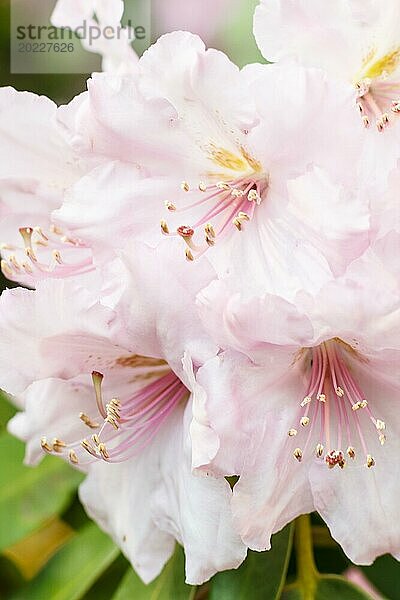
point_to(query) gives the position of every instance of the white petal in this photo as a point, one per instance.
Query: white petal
(51, 410)
(147, 502)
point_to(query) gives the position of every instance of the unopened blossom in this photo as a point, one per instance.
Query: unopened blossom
(112, 41)
(304, 402)
(218, 149)
(356, 42)
(108, 386)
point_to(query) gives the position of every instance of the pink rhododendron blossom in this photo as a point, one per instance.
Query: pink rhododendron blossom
(38, 166)
(214, 257)
(303, 401)
(35, 244)
(354, 42)
(112, 390)
(218, 165)
(116, 49)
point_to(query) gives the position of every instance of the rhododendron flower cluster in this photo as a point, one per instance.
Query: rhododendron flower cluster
(209, 262)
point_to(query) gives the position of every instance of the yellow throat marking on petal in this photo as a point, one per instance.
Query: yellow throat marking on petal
(134, 361)
(228, 160)
(241, 162)
(374, 67)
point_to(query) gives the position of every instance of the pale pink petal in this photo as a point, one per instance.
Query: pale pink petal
(273, 487)
(27, 318)
(340, 239)
(51, 408)
(318, 102)
(253, 325)
(356, 501)
(320, 35)
(179, 68)
(110, 205)
(32, 145)
(183, 108)
(157, 302)
(167, 504)
(205, 441)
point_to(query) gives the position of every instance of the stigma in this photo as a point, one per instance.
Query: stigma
(331, 409)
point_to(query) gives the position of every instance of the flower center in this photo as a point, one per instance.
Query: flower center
(123, 429)
(41, 254)
(221, 206)
(331, 405)
(378, 90)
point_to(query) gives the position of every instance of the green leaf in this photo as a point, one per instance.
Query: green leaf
(332, 587)
(385, 575)
(105, 586)
(170, 584)
(261, 576)
(329, 587)
(30, 496)
(74, 569)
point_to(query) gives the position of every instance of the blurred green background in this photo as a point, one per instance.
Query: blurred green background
(49, 550)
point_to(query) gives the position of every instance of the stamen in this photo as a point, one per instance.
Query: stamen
(375, 101)
(338, 405)
(103, 451)
(189, 255)
(298, 454)
(45, 445)
(164, 227)
(44, 254)
(185, 186)
(73, 457)
(7, 271)
(127, 426)
(319, 450)
(230, 203)
(57, 257)
(306, 401)
(351, 452)
(58, 445)
(370, 461)
(254, 196)
(88, 421)
(87, 446)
